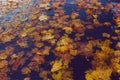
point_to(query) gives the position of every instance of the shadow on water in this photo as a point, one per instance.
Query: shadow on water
(80, 65)
(115, 76)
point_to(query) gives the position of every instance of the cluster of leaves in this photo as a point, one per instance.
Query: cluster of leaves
(33, 34)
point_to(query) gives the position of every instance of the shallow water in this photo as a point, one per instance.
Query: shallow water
(69, 41)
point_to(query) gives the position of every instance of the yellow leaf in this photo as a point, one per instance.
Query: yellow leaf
(43, 17)
(3, 56)
(57, 66)
(73, 52)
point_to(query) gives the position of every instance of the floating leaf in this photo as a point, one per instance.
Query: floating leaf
(57, 66)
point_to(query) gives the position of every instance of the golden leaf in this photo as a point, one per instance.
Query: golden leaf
(57, 66)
